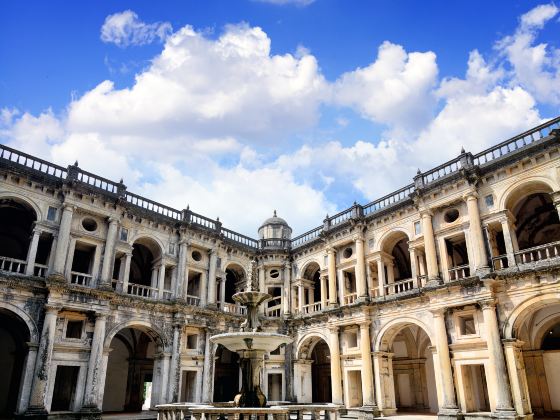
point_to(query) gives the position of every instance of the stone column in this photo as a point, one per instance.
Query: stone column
(203, 288)
(208, 372)
(161, 280)
(324, 292)
(381, 276)
(32, 253)
(413, 267)
(29, 366)
(223, 292)
(301, 298)
(509, 241)
(212, 277)
(475, 229)
(109, 254)
(62, 243)
(517, 376)
(360, 268)
(448, 405)
(287, 281)
(497, 365)
(165, 361)
(181, 268)
(429, 245)
(173, 394)
(384, 383)
(262, 285)
(43, 362)
(367, 370)
(332, 276)
(125, 271)
(336, 372)
(94, 376)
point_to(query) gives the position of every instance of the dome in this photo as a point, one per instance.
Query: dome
(275, 228)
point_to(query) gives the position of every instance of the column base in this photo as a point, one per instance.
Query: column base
(449, 414)
(434, 281)
(105, 287)
(35, 413)
(56, 278)
(506, 414)
(369, 412)
(482, 271)
(91, 413)
(362, 299)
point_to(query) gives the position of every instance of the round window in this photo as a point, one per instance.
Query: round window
(197, 256)
(347, 253)
(451, 215)
(89, 224)
(274, 274)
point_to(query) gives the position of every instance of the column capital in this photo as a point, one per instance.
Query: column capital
(333, 329)
(358, 237)
(212, 252)
(331, 250)
(512, 342)
(487, 304)
(99, 316)
(427, 212)
(438, 312)
(68, 207)
(113, 220)
(364, 325)
(470, 195)
(50, 308)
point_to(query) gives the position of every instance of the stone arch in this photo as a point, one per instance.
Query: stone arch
(391, 237)
(307, 343)
(524, 310)
(307, 265)
(388, 332)
(154, 332)
(237, 267)
(30, 322)
(39, 216)
(154, 244)
(530, 185)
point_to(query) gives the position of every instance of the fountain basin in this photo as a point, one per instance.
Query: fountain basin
(258, 341)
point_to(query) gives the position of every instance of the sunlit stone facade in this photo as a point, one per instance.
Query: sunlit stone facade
(442, 297)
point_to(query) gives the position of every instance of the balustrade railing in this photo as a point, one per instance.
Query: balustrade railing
(341, 217)
(239, 238)
(274, 311)
(31, 162)
(459, 272)
(95, 181)
(152, 206)
(182, 411)
(40, 270)
(81, 279)
(389, 200)
(202, 221)
(399, 287)
(350, 298)
(275, 243)
(12, 265)
(192, 300)
(167, 295)
(538, 253)
(311, 308)
(500, 262)
(307, 237)
(233, 308)
(517, 142)
(441, 171)
(142, 291)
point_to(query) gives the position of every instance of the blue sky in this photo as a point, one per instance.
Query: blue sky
(241, 107)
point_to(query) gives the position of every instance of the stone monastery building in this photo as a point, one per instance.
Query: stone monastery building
(442, 297)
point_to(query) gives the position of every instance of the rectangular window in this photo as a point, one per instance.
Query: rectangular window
(489, 200)
(124, 234)
(74, 329)
(352, 339)
(466, 325)
(51, 214)
(192, 341)
(417, 228)
(172, 249)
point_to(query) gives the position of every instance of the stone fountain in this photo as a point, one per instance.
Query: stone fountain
(251, 343)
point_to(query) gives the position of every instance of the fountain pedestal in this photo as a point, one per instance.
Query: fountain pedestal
(251, 344)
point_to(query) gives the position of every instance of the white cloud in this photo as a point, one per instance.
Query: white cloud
(395, 89)
(124, 29)
(536, 67)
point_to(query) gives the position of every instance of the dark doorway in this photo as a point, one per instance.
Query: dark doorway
(321, 373)
(64, 388)
(226, 375)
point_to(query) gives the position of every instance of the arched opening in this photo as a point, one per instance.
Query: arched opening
(313, 274)
(396, 267)
(226, 375)
(130, 370)
(536, 221)
(412, 385)
(16, 226)
(538, 327)
(143, 268)
(14, 335)
(235, 275)
(321, 373)
(313, 372)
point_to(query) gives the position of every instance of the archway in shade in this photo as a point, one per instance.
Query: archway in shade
(234, 275)
(226, 375)
(145, 252)
(16, 226)
(321, 373)
(537, 221)
(130, 370)
(14, 335)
